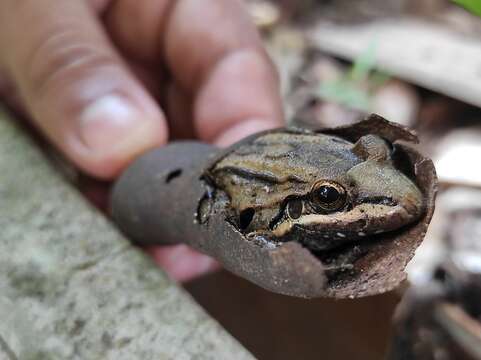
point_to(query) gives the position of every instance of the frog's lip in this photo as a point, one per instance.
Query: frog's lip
(364, 218)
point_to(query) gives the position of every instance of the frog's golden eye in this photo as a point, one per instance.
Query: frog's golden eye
(328, 196)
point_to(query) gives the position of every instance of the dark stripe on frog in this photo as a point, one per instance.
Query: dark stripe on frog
(280, 215)
(378, 200)
(264, 176)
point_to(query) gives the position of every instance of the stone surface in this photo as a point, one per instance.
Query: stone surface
(71, 287)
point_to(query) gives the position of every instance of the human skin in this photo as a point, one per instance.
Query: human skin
(106, 80)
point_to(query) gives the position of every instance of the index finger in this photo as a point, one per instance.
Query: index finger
(216, 56)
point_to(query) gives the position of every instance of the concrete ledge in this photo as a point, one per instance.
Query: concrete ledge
(71, 287)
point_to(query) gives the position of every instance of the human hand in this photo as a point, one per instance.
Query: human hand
(106, 80)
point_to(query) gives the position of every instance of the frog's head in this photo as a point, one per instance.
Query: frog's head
(371, 197)
(318, 189)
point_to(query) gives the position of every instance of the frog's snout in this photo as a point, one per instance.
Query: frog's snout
(386, 197)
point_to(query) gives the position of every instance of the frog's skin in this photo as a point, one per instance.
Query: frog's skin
(270, 185)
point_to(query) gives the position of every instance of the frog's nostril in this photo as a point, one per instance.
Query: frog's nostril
(246, 217)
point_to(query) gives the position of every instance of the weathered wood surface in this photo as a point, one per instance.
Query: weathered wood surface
(424, 53)
(71, 287)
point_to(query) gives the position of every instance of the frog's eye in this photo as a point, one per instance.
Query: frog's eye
(328, 196)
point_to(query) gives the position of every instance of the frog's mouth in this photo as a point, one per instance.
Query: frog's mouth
(326, 231)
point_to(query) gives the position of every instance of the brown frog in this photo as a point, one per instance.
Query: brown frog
(259, 206)
(318, 189)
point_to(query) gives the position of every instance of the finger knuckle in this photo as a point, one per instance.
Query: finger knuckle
(60, 59)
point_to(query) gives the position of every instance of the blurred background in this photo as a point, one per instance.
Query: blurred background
(416, 62)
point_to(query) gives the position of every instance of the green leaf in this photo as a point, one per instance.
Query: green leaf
(472, 5)
(364, 63)
(351, 90)
(345, 93)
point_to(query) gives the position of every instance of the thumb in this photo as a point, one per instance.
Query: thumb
(77, 88)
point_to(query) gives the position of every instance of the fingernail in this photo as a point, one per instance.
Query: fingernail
(108, 123)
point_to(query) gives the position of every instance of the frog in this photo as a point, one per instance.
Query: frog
(318, 189)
